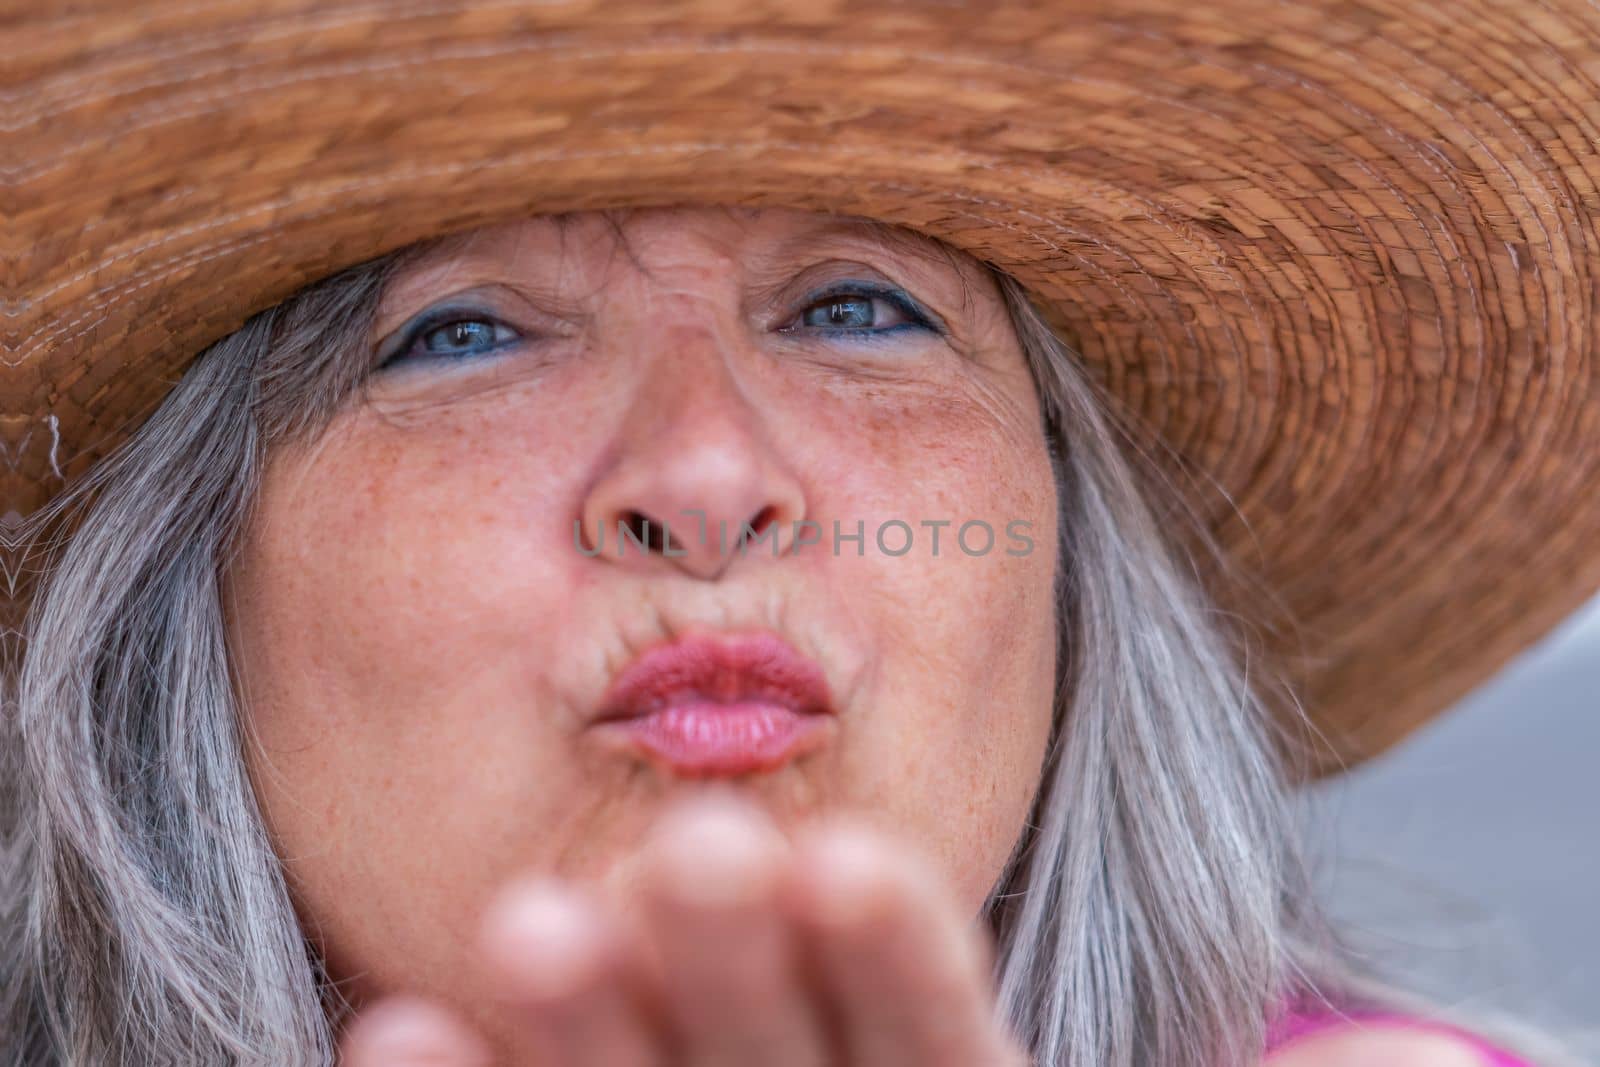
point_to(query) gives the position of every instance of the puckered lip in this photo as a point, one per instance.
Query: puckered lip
(738, 668)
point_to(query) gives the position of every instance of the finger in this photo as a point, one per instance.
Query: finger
(709, 875)
(904, 972)
(410, 1032)
(569, 971)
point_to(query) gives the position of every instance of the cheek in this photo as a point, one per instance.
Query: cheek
(388, 568)
(386, 604)
(951, 751)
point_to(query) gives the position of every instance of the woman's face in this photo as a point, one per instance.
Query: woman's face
(424, 644)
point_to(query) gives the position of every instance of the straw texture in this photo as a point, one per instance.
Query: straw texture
(1339, 262)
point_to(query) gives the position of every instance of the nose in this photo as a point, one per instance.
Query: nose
(695, 480)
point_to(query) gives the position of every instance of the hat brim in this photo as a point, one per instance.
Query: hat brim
(1343, 286)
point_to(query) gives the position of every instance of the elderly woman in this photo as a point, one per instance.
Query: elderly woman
(692, 634)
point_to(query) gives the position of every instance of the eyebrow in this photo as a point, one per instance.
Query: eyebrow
(888, 234)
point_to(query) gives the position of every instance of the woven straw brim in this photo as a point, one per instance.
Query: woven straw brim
(1339, 261)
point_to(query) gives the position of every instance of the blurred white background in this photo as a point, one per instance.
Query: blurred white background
(1468, 856)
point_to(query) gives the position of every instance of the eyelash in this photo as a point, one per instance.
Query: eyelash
(450, 316)
(917, 319)
(437, 319)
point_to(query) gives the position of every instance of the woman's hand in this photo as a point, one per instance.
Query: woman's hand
(726, 946)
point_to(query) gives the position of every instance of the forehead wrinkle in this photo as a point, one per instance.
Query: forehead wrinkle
(621, 239)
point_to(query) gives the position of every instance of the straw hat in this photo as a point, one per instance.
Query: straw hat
(1339, 260)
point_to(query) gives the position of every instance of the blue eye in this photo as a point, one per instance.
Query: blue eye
(463, 337)
(856, 310)
(852, 311)
(451, 334)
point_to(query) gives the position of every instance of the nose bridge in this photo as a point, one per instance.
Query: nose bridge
(694, 453)
(695, 375)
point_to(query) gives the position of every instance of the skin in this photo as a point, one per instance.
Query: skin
(1378, 1045)
(420, 646)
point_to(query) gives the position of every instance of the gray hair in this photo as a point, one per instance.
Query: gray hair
(1155, 908)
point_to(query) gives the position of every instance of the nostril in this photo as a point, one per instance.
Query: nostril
(640, 530)
(763, 519)
(649, 532)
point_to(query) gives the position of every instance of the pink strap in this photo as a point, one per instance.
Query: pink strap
(1296, 1025)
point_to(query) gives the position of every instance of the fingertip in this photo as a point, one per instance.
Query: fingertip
(714, 849)
(843, 872)
(851, 876)
(542, 938)
(718, 809)
(407, 1031)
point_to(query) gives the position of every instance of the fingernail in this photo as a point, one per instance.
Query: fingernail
(543, 937)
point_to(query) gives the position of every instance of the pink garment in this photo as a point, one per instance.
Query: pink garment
(1297, 1024)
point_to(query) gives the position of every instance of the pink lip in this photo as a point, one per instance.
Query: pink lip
(728, 705)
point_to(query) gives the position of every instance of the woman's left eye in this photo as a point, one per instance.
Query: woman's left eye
(862, 311)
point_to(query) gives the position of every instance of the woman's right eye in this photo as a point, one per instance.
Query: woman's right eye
(450, 335)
